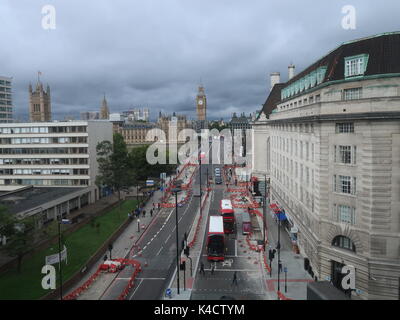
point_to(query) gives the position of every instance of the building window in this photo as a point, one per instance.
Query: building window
(345, 154)
(344, 184)
(345, 214)
(356, 65)
(347, 127)
(352, 94)
(344, 243)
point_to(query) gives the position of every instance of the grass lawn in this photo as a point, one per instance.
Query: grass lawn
(81, 245)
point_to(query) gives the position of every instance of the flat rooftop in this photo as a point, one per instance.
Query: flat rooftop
(33, 197)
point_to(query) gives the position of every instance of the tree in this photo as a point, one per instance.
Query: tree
(6, 223)
(20, 236)
(114, 169)
(144, 170)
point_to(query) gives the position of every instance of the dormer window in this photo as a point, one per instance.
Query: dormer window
(356, 65)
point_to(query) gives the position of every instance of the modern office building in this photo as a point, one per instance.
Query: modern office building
(51, 154)
(329, 141)
(6, 104)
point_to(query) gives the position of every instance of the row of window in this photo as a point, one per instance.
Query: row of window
(311, 80)
(44, 171)
(68, 129)
(296, 148)
(43, 150)
(5, 102)
(5, 83)
(44, 182)
(306, 128)
(301, 102)
(41, 162)
(4, 89)
(43, 140)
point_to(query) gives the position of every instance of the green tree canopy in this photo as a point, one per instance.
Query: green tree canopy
(114, 165)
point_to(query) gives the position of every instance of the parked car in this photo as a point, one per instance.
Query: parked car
(218, 179)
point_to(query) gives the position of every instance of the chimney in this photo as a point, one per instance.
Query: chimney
(291, 68)
(275, 78)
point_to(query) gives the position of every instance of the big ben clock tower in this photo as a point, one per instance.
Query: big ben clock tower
(201, 104)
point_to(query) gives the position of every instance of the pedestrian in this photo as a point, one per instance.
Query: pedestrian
(153, 205)
(212, 268)
(280, 266)
(234, 281)
(202, 268)
(105, 258)
(144, 213)
(151, 212)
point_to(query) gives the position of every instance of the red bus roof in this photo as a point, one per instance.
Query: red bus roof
(216, 225)
(226, 206)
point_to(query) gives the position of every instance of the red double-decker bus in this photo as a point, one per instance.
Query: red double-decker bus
(216, 239)
(228, 214)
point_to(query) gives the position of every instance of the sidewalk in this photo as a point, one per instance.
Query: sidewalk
(297, 277)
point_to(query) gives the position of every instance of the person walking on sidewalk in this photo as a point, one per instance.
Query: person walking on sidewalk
(280, 266)
(212, 268)
(234, 281)
(151, 212)
(144, 213)
(202, 269)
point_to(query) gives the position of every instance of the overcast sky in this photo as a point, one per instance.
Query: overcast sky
(154, 52)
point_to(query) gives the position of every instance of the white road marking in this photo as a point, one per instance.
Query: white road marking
(159, 251)
(235, 248)
(150, 278)
(133, 293)
(168, 238)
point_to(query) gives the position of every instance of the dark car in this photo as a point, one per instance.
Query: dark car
(218, 180)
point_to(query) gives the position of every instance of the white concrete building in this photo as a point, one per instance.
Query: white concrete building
(329, 140)
(51, 154)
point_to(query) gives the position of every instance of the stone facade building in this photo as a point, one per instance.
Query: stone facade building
(135, 133)
(176, 122)
(104, 111)
(39, 103)
(329, 140)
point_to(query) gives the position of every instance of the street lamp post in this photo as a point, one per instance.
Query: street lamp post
(279, 249)
(59, 257)
(200, 174)
(175, 191)
(285, 270)
(264, 211)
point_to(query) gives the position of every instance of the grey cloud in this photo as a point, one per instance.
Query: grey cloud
(154, 52)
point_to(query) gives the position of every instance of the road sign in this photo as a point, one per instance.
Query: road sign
(285, 269)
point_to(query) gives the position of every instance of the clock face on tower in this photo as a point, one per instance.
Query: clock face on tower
(200, 102)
